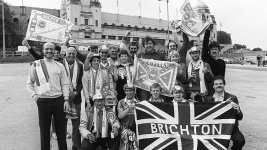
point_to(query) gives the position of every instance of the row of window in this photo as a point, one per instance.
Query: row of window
(86, 22)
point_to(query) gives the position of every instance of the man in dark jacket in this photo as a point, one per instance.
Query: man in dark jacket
(220, 95)
(210, 53)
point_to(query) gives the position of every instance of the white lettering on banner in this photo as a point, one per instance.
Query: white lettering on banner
(206, 129)
(154, 128)
(184, 129)
(160, 126)
(218, 130)
(173, 126)
(195, 128)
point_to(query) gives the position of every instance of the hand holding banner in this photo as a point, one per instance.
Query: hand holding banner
(48, 28)
(193, 23)
(149, 71)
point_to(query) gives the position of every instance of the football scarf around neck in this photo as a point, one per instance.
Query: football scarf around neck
(96, 82)
(103, 123)
(41, 76)
(198, 65)
(75, 73)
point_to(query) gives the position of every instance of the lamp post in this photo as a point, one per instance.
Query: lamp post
(167, 18)
(3, 24)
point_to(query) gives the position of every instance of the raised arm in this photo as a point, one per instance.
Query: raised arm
(205, 54)
(31, 50)
(184, 48)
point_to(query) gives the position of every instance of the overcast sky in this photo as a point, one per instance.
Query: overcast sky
(245, 20)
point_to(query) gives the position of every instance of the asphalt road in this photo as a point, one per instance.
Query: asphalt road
(19, 129)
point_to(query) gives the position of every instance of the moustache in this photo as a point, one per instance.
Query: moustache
(218, 87)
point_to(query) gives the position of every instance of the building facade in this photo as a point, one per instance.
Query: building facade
(90, 22)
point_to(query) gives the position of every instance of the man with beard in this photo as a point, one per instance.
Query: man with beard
(75, 74)
(210, 54)
(199, 76)
(220, 95)
(49, 85)
(150, 53)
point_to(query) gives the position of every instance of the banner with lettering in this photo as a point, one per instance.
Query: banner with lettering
(48, 28)
(84, 44)
(184, 126)
(194, 22)
(149, 71)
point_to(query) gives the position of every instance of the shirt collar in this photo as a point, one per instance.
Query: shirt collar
(219, 99)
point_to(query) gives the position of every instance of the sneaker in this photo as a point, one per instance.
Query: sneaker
(68, 136)
(54, 135)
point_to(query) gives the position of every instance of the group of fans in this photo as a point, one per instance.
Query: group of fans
(105, 76)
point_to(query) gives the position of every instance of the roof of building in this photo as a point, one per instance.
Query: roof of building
(127, 20)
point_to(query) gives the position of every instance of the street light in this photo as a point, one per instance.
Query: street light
(167, 17)
(3, 24)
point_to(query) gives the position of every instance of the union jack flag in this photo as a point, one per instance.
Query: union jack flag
(184, 126)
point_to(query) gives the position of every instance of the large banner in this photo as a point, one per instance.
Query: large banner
(184, 126)
(48, 28)
(149, 71)
(194, 22)
(84, 44)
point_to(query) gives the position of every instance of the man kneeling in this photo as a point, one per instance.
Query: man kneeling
(95, 126)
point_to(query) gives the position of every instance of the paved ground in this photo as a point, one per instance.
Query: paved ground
(18, 112)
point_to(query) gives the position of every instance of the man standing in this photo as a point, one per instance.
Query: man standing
(150, 53)
(199, 75)
(220, 95)
(75, 74)
(48, 85)
(210, 53)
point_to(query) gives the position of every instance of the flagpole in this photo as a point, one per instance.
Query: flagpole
(167, 18)
(3, 24)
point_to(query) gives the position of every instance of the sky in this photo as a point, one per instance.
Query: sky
(245, 20)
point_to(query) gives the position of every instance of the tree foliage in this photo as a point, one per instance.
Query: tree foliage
(223, 37)
(239, 46)
(13, 38)
(257, 49)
